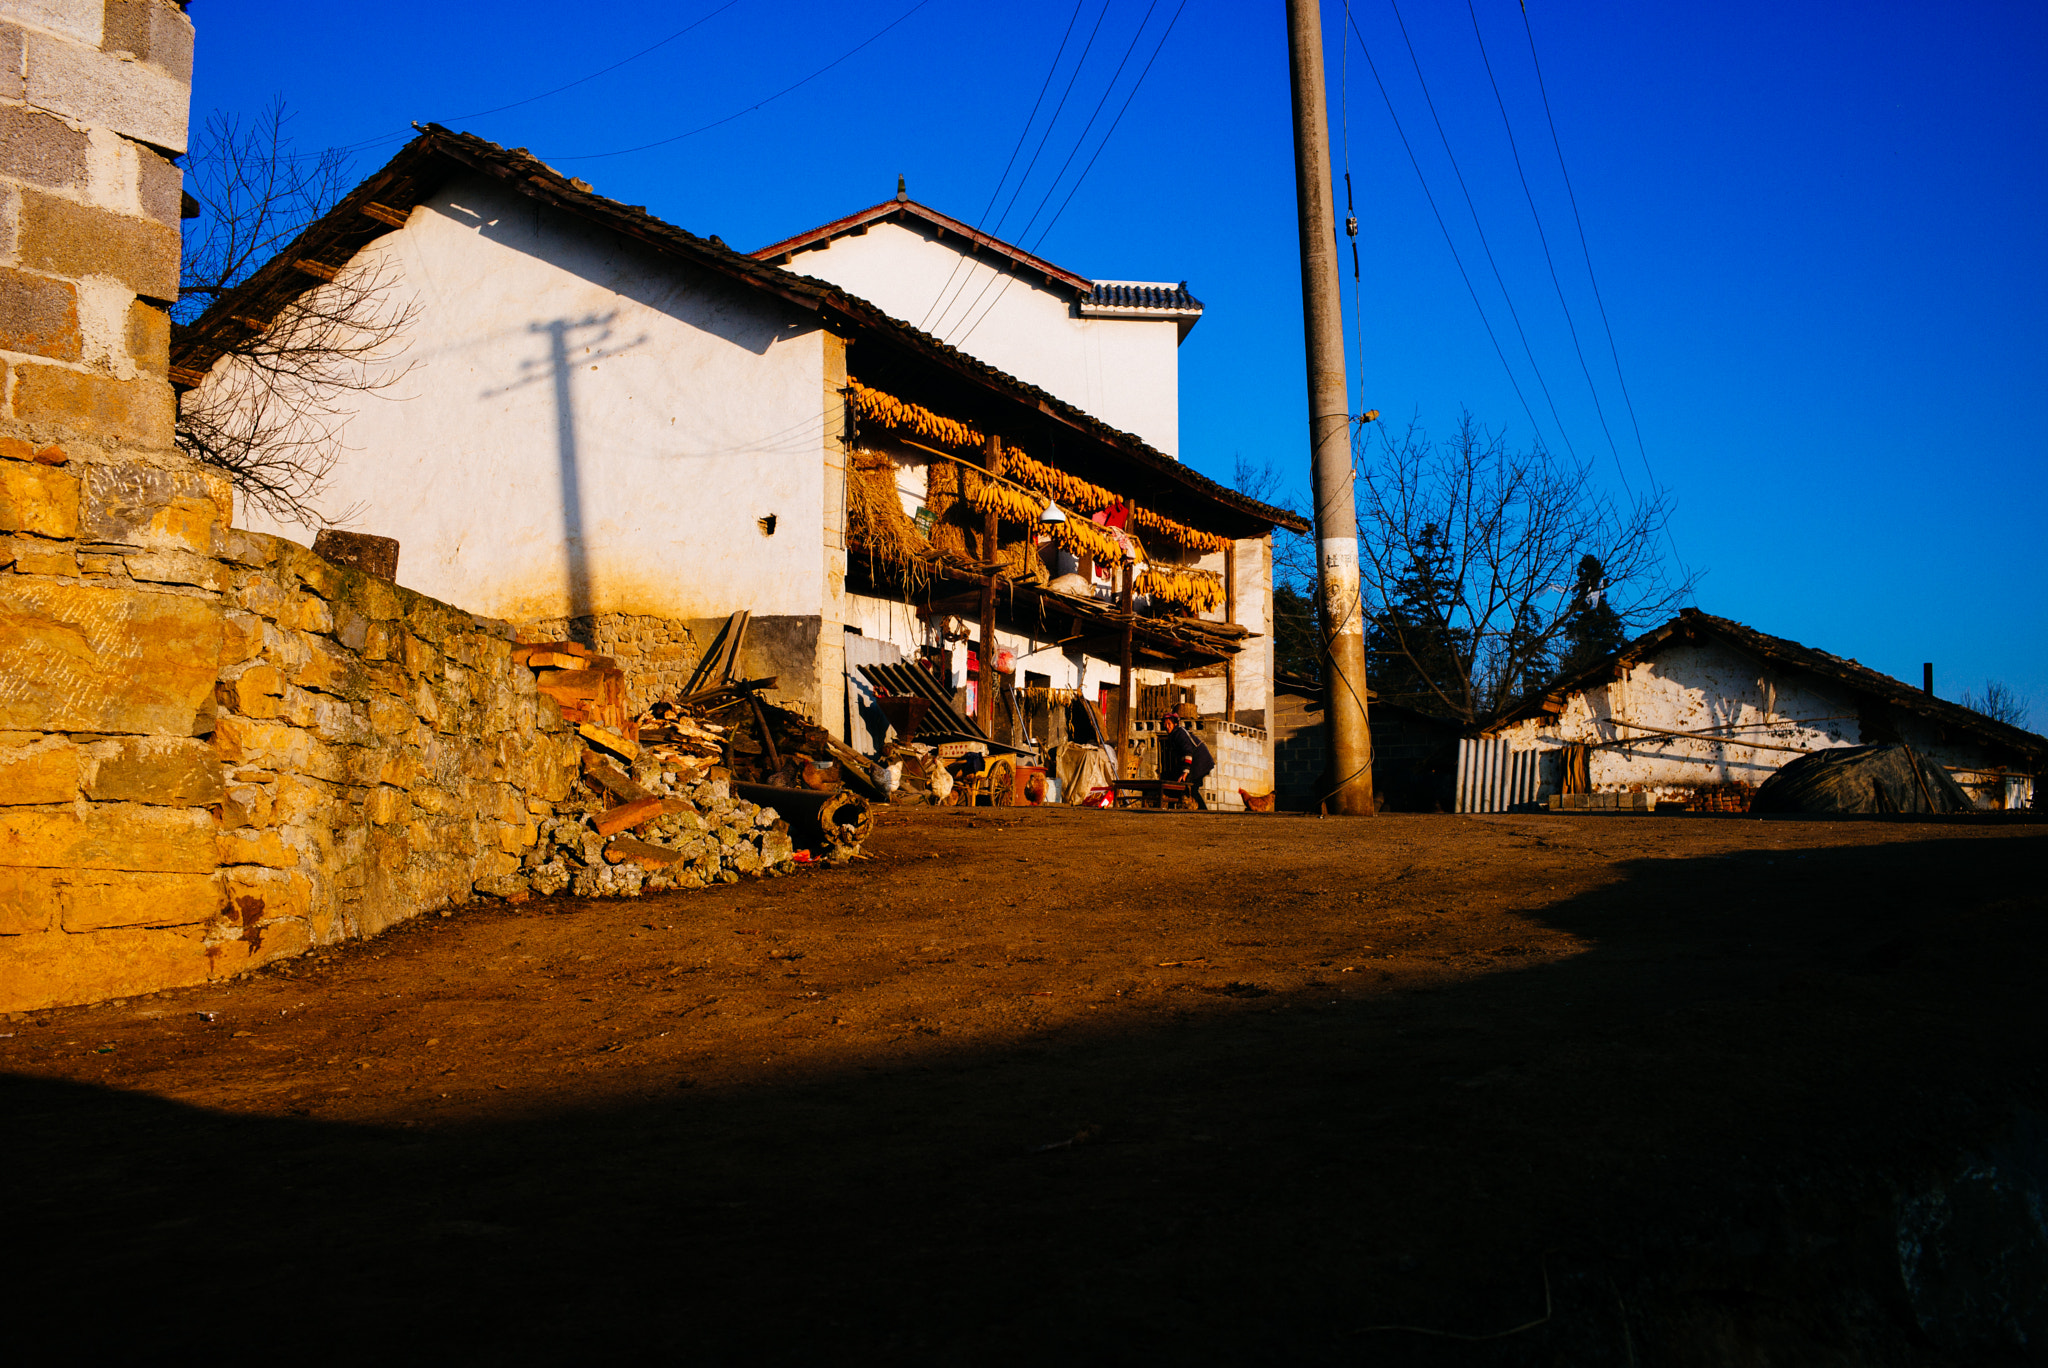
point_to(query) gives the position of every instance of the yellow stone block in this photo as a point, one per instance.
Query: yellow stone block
(57, 967)
(45, 772)
(188, 522)
(257, 846)
(32, 557)
(95, 658)
(110, 836)
(386, 805)
(241, 637)
(39, 499)
(255, 895)
(249, 698)
(174, 771)
(96, 899)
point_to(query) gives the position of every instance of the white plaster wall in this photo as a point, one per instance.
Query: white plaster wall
(1776, 715)
(1124, 371)
(586, 427)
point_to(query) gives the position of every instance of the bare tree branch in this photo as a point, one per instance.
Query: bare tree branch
(1474, 557)
(273, 408)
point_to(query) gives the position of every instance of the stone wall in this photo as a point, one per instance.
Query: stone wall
(215, 748)
(295, 753)
(656, 654)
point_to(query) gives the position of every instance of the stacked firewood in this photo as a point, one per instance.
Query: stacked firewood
(658, 807)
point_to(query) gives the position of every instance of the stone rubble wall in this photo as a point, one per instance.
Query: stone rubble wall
(277, 752)
(656, 654)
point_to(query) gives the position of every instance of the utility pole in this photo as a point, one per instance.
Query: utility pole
(1329, 420)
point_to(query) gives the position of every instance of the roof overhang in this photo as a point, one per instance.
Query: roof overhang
(890, 351)
(911, 214)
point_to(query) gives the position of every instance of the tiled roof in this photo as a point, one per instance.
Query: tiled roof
(1146, 295)
(908, 211)
(1692, 625)
(381, 203)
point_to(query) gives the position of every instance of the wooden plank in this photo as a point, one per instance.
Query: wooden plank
(609, 739)
(626, 816)
(640, 853)
(611, 779)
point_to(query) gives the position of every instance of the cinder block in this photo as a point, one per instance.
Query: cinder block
(39, 315)
(42, 149)
(149, 337)
(12, 84)
(135, 99)
(156, 31)
(78, 240)
(117, 412)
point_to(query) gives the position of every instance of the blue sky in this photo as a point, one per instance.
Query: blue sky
(1817, 229)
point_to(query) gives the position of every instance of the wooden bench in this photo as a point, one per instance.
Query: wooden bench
(1152, 793)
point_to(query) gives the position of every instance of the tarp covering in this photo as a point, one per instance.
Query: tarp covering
(1889, 778)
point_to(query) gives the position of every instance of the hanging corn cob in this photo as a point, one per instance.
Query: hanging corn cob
(1196, 590)
(1070, 491)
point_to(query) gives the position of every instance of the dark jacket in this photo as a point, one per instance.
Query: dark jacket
(1183, 758)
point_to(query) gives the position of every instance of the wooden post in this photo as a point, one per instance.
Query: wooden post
(985, 691)
(1123, 681)
(1230, 615)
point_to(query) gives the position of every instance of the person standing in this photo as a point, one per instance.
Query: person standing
(1183, 759)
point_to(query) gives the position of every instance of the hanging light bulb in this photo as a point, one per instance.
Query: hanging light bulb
(1052, 513)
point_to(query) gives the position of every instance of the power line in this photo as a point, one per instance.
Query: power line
(531, 99)
(1588, 251)
(1477, 227)
(1442, 227)
(1031, 165)
(1544, 238)
(1075, 189)
(759, 104)
(1080, 140)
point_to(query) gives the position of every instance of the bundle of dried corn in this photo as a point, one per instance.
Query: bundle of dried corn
(876, 520)
(1071, 491)
(1196, 590)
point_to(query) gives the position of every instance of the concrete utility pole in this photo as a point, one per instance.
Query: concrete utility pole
(1329, 421)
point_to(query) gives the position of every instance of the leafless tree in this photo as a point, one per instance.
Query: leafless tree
(273, 407)
(1999, 703)
(1481, 564)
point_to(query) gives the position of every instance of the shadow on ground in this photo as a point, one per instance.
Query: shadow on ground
(1697, 1142)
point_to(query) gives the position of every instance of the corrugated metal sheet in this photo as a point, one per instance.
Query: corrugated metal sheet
(1493, 776)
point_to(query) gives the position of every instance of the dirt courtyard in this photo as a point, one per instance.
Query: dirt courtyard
(1046, 1085)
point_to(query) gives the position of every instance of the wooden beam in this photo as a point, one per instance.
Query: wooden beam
(319, 270)
(985, 693)
(1230, 615)
(385, 214)
(1123, 681)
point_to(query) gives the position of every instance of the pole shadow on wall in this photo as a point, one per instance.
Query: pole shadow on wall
(572, 342)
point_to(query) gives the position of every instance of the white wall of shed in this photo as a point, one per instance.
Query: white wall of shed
(1697, 686)
(694, 409)
(1124, 371)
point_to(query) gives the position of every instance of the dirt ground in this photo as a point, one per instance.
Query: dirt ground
(1055, 1085)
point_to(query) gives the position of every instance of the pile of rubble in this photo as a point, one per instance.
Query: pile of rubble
(660, 806)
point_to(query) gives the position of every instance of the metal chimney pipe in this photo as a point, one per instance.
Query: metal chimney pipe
(1927, 678)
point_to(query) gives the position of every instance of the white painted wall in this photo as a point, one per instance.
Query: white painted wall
(587, 427)
(1692, 687)
(1124, 371)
